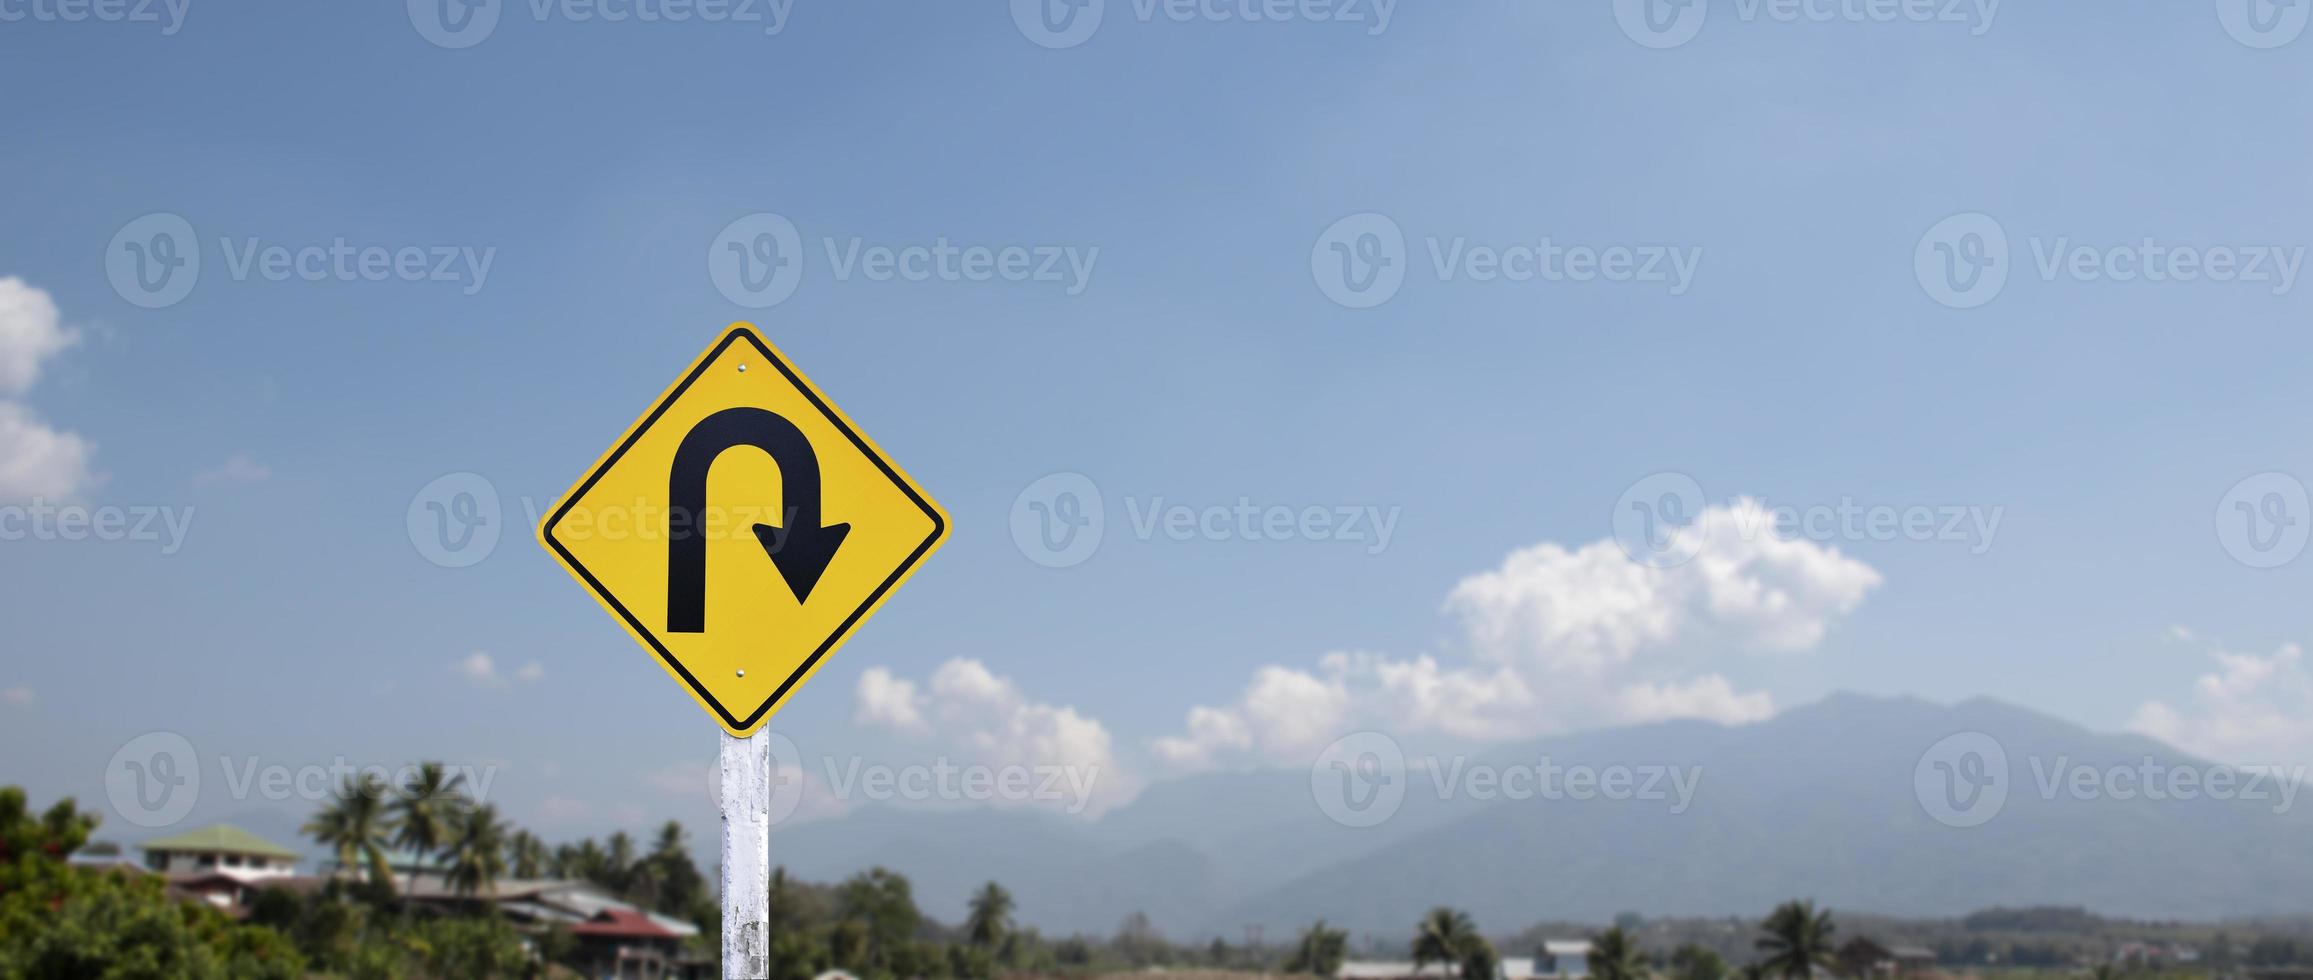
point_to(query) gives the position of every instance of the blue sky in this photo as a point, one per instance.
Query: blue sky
(1202, 362)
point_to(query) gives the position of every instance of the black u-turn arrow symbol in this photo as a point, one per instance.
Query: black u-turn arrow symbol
(801, 550)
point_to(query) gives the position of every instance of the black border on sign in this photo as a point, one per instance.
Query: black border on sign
(939, 530)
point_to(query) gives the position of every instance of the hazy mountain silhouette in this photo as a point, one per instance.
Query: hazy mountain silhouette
(1819, 801)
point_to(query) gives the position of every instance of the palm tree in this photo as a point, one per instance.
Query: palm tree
(526, 855)
(1443, 937)
(1797, 940)
(423, 812)
(356, 827)
(1479, 961)
(1320, 952)
(476, 851)
(1614, 955)
(991, 916)
(680, 886)
(618, 863)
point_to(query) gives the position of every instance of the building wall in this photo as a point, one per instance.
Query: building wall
(238, 865)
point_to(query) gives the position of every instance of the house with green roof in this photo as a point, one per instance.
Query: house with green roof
(222, 849)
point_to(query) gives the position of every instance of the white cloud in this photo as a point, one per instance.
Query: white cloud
(479, 668)
(482, 669)
(963, 705)
(36, 461)
(241, 468)
(2252, 711)
(31, 331)
(1559, 638)
(17, 696)
(889, 701)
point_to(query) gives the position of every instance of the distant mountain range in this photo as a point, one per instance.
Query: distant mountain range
(1830, 801)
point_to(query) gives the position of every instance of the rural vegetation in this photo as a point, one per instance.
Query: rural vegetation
(59, 920)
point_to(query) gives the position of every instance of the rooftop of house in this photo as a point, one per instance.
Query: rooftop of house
(221, 839)
(623, 924)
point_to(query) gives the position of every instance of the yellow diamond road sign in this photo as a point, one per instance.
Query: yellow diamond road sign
(742, 528)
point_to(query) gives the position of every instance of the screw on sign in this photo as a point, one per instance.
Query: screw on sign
(740, 530)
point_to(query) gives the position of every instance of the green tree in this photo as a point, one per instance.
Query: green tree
(422, 812)
(356, 826)
(526, 857)
(1696, 962)
(475, 847)
(618, 863)
(60, 921)
(1442, 937)
(680, 889)
(1614, 955)
(1320, 952)
(991, 917)
(881, 902)
(1479, 961)
(1797, 939)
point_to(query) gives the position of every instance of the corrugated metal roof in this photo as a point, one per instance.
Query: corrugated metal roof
(223, 839)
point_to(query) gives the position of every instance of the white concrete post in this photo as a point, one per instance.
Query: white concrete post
(746, 857)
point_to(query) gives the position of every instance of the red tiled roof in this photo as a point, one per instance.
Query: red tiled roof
(621, 923)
